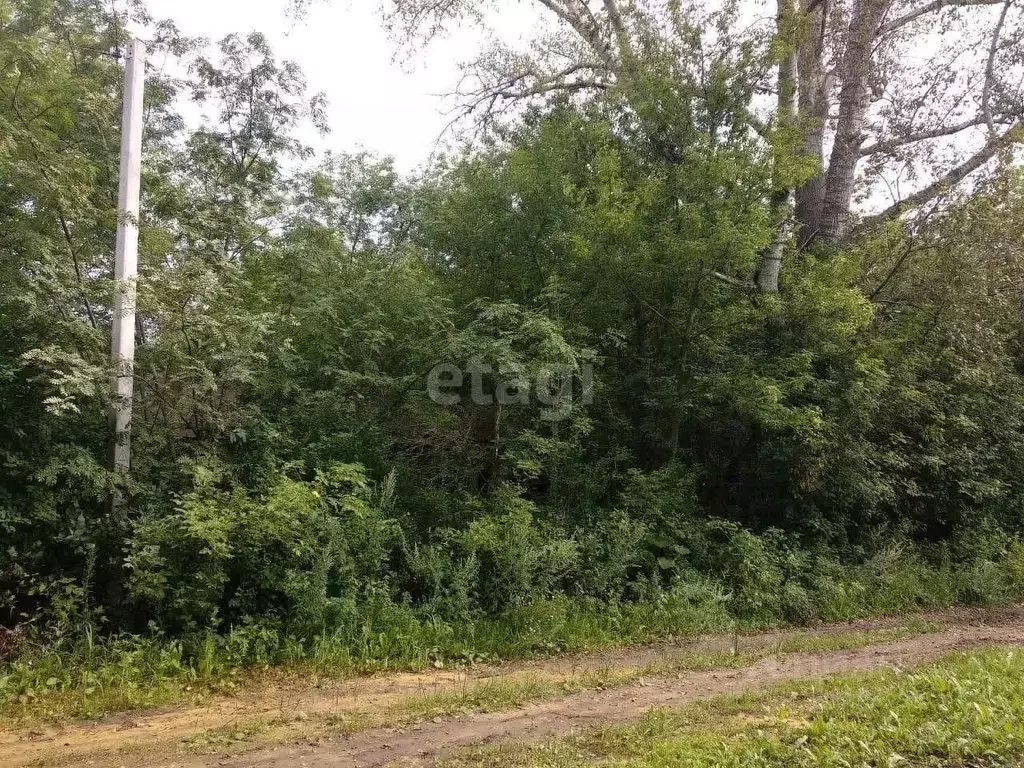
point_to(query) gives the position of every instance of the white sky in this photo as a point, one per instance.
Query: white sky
(393, 107)
(379, 98)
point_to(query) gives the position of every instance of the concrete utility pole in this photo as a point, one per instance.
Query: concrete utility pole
(126, 256)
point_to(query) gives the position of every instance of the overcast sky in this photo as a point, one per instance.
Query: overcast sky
(376, 103)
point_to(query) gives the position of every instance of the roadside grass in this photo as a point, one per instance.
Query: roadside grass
(76, 677)
(65, 682)
(501, 695)
(71, 674)
(966, 709)
(489, 696)
(498, 695)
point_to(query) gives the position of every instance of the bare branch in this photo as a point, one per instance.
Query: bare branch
(425, 20)
(913, 138)
(583, 22)
(943, 183)
(990, 75)
(934, 5)
(494, 93)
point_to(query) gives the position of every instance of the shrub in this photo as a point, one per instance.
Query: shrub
(521, 560)
(612, 554)
(292, 557)
(444, 580)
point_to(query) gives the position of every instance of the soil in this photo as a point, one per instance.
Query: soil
(159, 738)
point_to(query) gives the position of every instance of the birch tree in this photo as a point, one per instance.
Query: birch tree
(895, 103)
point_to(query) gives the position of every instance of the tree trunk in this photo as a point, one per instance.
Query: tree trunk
(782, 199)
(853, 105)
(814, 90)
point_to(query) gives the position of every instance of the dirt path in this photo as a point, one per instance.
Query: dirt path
(539, 721)
(154, 739)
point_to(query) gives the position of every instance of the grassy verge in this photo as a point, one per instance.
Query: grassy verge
(500, 695)
(140, 675)
(518, 690)
(514, 689)
(967, 709)
(69, 676)
(76, 677)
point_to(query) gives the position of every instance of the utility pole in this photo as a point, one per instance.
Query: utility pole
(126, 255)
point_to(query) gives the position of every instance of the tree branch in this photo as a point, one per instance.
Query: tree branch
(66, 229)
(990, 75)
(747, 285)
(907, 253)
(943, 183)
(759, 125)
(528, 82)
(615, 19)
(934, 5)
(913, 138)
(583, 22)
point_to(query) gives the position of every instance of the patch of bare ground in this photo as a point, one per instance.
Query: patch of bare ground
(162, 738)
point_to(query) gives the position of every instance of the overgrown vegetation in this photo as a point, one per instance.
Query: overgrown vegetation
(497, 690)
(516, 690)
(849, 446)
(964, 710)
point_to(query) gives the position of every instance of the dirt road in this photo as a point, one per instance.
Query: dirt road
(161, 739)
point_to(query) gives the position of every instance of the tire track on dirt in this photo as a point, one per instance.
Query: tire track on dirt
(162, 737)
(78, 743)
(430, 741)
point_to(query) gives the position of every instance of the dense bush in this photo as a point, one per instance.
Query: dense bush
(852, 444)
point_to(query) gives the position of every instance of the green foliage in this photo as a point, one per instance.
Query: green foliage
(851, 445)
(307, 548)
(520, 560)
(962, 710)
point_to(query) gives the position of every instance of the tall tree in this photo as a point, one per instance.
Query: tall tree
(911, 96)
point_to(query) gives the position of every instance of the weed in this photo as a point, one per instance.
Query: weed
(967, 709)
(517, 690)
(88, 675)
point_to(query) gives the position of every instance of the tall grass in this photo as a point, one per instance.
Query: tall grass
(965, 710)
(75, 674)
